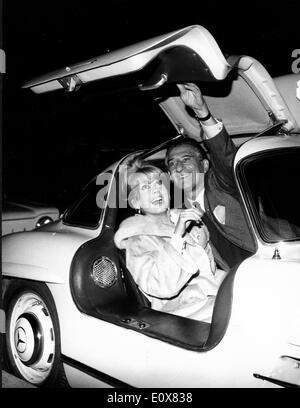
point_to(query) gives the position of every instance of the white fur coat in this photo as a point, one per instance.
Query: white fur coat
(164, 273)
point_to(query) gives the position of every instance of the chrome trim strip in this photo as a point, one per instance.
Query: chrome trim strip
(94, 373)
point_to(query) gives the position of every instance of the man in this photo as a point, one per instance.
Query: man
(209, 184)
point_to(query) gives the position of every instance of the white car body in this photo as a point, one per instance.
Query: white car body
(262, 337)
(17, 216)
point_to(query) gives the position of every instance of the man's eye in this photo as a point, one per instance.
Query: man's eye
(145, 187)
(159, 182)
(186, 159)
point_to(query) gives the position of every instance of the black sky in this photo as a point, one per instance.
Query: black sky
(42, 163)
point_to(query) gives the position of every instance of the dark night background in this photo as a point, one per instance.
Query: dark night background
(53, 144)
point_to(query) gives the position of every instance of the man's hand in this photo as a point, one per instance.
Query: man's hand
(192, 97)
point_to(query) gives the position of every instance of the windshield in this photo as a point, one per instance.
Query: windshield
(271, 182)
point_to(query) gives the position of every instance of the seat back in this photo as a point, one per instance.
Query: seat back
(131, 286)
(221, 312)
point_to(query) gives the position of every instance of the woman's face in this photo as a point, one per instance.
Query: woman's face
(152, 196)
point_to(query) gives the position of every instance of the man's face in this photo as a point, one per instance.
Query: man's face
(186, 168)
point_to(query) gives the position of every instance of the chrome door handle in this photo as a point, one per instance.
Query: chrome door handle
(160, 82)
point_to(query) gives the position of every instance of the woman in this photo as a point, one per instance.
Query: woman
(174, 268)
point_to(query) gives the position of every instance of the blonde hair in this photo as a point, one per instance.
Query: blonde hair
(136, 169)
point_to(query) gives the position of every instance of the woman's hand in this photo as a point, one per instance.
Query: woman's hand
(185, 219)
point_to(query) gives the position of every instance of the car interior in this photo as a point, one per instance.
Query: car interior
(103, 287)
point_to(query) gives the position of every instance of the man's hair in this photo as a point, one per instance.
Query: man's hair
(186, 142)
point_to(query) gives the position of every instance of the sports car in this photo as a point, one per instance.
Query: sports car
(74, 315)
(25, 216)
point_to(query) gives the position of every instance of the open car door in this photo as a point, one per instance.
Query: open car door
(239, 90)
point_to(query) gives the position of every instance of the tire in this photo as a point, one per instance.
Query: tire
(32, 335)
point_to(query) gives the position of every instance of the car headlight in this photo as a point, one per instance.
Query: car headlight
(43, 221)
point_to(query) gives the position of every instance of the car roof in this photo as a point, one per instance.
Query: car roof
(266, 143)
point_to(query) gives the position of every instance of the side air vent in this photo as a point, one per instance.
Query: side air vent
(104, 272)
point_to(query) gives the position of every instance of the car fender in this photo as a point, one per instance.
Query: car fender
(266, 296)
(40, 255)
(32, 272)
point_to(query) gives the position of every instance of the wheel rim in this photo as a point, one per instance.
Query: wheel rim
(32, 338)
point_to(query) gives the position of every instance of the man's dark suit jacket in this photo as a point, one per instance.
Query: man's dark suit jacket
(233, 240)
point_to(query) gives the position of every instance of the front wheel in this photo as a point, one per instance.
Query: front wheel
(32, 334)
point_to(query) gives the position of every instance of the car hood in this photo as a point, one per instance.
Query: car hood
(40, 255)
(239, 90)
(15, 210)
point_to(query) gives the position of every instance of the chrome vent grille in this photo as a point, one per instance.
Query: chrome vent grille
(104, 272)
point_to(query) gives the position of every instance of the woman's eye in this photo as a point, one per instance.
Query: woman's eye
(145, 187)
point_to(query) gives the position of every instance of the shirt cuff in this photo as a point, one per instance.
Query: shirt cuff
(177, 242)
(211, 131)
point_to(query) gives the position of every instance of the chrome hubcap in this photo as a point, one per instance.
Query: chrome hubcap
(32, 340)
(24, 338)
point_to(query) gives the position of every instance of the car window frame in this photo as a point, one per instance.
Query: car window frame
(82, 197)
(247, 195)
